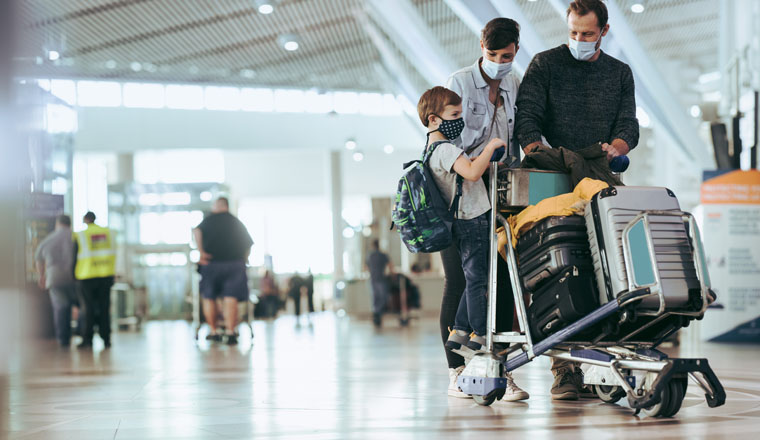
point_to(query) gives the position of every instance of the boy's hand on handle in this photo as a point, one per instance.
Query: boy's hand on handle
(497, 154)
(495, 143)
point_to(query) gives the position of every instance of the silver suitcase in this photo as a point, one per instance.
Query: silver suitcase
(607, 217)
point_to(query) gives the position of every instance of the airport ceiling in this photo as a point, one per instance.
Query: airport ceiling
(232, 42)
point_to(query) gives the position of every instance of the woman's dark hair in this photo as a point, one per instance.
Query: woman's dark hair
(500, 33)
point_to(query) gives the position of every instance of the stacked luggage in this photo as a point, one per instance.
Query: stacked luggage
(574, 264)
(555, 265)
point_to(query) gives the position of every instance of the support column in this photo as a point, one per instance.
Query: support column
(335, 180)
(125, 168)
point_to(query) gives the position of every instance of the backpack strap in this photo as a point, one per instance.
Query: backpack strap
(458, 194)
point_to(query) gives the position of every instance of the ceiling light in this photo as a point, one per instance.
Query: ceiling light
(53, 55)
(350, 144)
(110, 64)
(388, 149)
(695, 111)
(247, 73)
(135, 66)
(358, 156)
(289, 42)
(266, 8)
(348, 232)
(637, 8)
(150, 67)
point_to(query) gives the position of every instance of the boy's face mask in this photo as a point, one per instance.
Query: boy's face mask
(451, 128)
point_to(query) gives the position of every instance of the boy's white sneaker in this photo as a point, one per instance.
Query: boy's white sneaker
(514, 393)
(454, 390)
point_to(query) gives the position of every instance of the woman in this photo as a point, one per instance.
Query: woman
(489, 92)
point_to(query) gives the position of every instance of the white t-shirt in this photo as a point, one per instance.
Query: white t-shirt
(474, 200)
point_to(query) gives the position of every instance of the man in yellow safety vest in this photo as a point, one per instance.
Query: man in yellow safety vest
(95, 268)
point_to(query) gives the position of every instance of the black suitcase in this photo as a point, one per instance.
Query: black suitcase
(567, 297)
(551, 230)
(553, 259)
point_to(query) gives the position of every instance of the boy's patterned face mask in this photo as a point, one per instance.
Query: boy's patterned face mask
(451, 128)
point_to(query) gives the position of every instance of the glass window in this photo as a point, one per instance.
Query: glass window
(98, 94)
(371, 104)
(90, 188)
(184, 97)
(257, 100)
(286, 100)
(390, 105)
(64, 89)
(175, 198)
(346, 102)
(144, 95)
(318, 102)
(222, 98)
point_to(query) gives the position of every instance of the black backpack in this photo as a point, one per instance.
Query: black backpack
(420, 213)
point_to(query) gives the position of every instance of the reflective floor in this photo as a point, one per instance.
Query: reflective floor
(331, 378)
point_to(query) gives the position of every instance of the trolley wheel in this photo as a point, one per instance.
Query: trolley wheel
(404, 322)
(662, 408)
(609, 393)
(677, 393)
(487, 400)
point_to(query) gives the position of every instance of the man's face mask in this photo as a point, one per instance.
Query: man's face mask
(451, 128)
(496, 70)
(582, 50)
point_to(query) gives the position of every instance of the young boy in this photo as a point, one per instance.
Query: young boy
(440, 110)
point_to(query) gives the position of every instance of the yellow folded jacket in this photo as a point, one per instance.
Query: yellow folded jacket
(573, 203)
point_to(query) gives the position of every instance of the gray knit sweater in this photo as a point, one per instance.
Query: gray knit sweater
(574, 104)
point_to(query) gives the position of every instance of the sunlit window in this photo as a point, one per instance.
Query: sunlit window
(44, 84)
(174, 227)
(371, 104)
(318, 102)
(271, 222)
(390, 105)
(257, 100)
(222, 98)
(64, 89)
(179, 166)
(144, 95)
(184, 97)
(98, 94)
(90, 187)
(288, 100)
(175, 198)
(346, 102)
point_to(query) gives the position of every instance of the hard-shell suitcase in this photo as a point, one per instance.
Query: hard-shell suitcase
(551, 230)
(608, 214)
(567, 297)
(553, 259)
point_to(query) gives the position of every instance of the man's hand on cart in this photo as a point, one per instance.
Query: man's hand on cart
(205, 258)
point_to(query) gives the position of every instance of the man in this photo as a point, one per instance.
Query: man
(55, 265)
(376, 263)
(95, 269)
(224, 245)
(574, 96)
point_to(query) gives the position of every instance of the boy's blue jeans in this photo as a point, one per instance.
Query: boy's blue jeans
(472, 239)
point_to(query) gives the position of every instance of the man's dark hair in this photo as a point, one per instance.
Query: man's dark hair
(64, 220)
(90, 216)
(224, 200)
(500, 33)
(583, 7)
(376, 244)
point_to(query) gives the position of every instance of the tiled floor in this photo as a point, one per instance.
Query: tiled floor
(333, 378)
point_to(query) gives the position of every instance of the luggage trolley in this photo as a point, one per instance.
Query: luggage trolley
(617, 343)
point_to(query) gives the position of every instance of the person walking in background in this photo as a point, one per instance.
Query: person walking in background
(95, 269)
(376, 263)
(295, 285)
(54, 259)
(224, 245)
(309, 285)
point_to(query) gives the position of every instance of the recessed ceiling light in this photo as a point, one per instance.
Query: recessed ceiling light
(289, 42)
(110, 64)
(266, 8)
(53, 55)
(247, 73)
(350, 144)
(358, 156)
(135, 66)
(637, 8)
(388, 149)
(695, 111)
